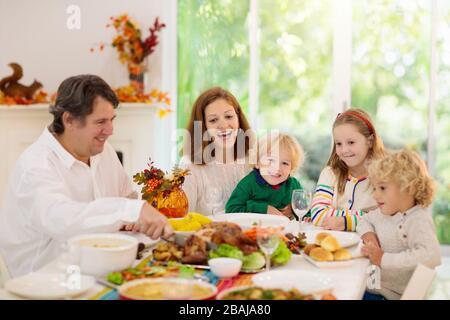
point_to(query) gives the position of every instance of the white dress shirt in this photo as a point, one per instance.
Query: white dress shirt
(51, 196)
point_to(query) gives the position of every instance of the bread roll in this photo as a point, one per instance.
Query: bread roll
(330, 243)
(320, 254)
(321, 236)
(309, 247)
(342, 254)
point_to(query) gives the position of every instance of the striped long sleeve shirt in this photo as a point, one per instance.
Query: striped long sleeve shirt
(327, 203)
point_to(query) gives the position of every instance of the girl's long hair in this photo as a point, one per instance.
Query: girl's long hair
(361, 120)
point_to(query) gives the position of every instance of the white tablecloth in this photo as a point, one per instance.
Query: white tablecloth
(349, 282)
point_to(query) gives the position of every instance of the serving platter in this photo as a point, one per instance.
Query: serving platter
(247, 220)
(328, 264)
(345, 239)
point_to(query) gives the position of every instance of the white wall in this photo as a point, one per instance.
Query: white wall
(34, 34)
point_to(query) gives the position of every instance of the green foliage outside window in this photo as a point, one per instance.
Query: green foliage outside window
(390, 73)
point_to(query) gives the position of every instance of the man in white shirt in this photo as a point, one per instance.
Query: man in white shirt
(70, 181)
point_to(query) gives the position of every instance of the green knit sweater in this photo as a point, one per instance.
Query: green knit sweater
(253, 194)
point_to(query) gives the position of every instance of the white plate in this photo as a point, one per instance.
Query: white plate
(329, 264)
(49, 286)
(345, 239)
(248, 220)
(307, 282)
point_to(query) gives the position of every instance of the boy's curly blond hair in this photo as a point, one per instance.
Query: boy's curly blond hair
(408, 171)
(273, 142)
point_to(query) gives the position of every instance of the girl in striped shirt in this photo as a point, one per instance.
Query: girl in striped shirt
(343, 193)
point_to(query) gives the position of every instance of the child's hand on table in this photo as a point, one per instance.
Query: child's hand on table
(373, 252)
(370, 237)
(274, 211)
(287, 211)
(334, 223)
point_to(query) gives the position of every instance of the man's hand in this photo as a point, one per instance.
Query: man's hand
(152, 223)
(334, 223)
(127, 227)
(374, 253)
(274, 211)
(370, 237)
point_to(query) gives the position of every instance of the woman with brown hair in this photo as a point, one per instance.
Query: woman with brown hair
(216, 150)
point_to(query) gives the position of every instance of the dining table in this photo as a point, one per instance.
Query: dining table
(348, 282)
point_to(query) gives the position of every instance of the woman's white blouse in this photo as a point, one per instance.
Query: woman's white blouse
(203, 178)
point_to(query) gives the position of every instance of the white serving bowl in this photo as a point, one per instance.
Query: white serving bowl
(225, 267)
(98, 254)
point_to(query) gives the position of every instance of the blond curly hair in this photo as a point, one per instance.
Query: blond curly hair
(408, 171)
(275, 141)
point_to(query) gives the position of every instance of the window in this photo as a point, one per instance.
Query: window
(212, 50)
(390, 61)
(295, 76)
(442, 134)
(390, 65)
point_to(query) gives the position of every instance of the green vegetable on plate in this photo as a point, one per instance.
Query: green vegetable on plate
(115, 277)
(227, 251)
(253, 261)
(282, 255)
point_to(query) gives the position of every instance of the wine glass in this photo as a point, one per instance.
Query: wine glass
(301, 200)
(214, 198)
(268, 240)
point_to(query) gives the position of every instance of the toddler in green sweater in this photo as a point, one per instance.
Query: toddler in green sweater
(268, 188)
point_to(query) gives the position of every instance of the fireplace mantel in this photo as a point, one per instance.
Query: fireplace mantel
(138, 133)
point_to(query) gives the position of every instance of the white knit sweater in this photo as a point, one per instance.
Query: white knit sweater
(204, 177)
(407, 239)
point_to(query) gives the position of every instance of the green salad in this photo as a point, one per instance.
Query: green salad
(255, 260)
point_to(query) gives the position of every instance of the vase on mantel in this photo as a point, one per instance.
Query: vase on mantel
(136, 74)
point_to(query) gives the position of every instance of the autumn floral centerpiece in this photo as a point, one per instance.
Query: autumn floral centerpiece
(133, 51)
(163, 190)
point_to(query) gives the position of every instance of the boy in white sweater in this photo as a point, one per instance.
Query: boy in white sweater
(401, 234)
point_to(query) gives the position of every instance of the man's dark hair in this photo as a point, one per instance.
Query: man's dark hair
(76, 95)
